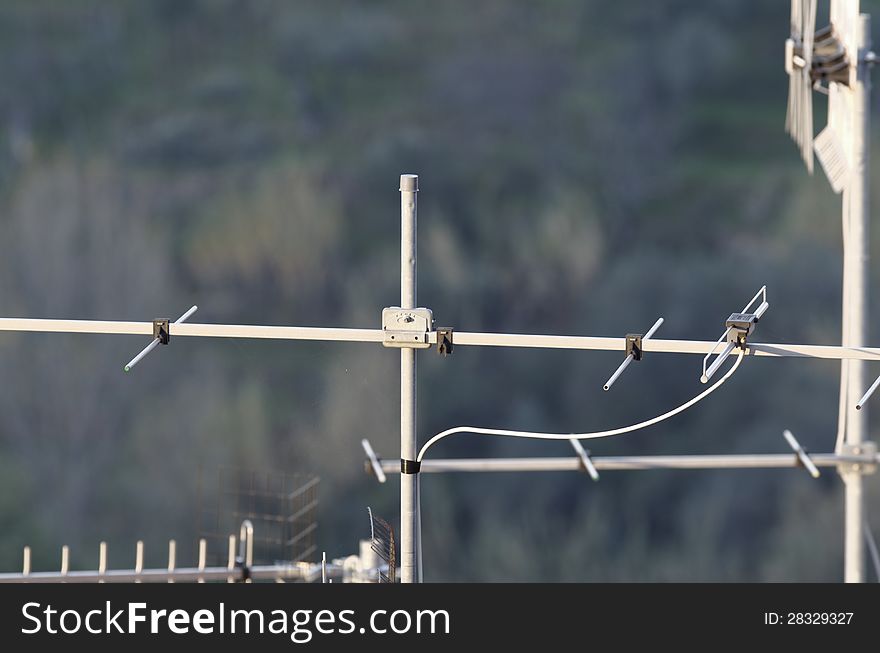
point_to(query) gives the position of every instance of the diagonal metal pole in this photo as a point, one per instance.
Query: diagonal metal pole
(855, 293)
(410, 564)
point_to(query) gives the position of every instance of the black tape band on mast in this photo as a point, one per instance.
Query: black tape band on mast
(409, 466)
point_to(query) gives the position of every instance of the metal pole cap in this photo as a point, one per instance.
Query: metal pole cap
(409, 183)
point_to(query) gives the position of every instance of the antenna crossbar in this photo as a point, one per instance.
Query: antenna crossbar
(462, 338)
(634, 463)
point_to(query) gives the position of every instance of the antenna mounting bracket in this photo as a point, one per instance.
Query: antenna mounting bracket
(634, 345)
(407, 328)
(865, 449)
(161, 330)
(444, 341)
(739, 326)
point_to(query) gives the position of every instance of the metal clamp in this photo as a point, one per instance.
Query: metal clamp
(634, 345)
(738, 327)
(444, 341)
(161, 335)
(407, 328)
(865, 450)
(162, 330)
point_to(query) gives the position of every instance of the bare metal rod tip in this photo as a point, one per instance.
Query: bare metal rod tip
(868, 394)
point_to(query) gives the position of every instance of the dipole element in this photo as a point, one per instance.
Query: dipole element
(635, 354)
(156, 340)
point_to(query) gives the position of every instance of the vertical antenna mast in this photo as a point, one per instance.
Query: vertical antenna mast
(410, 564)
(855, 292)
(840, 55)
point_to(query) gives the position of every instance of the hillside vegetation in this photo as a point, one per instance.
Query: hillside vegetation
(585, 168)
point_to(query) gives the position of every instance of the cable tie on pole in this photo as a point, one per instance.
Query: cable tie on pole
(409, 466)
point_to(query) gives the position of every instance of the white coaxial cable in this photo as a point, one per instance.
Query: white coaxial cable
(585, 436)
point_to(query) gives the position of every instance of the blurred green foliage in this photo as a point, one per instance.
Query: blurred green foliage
(585, 167)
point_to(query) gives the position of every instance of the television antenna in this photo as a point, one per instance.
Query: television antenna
(408, 327)
(837, 60)
(239, 568)
(382, 544)
(798, 65)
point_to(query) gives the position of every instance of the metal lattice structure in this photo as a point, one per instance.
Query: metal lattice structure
(382, 544)
(282, 507)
